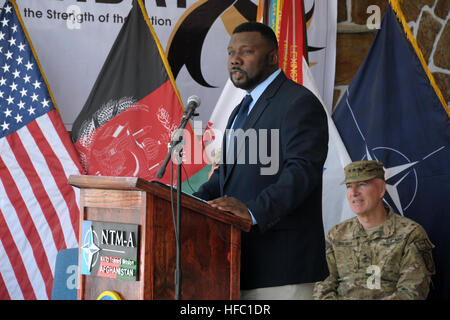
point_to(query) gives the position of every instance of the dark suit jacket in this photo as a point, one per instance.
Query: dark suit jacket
(287, 245)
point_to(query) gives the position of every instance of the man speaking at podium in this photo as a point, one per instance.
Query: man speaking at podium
(284, 252)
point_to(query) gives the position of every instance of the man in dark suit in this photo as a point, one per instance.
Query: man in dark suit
(284, 252)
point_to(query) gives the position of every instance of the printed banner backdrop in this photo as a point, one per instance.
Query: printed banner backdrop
(321, 33)
(72, 51)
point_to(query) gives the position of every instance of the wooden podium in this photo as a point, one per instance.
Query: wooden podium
(210, 240)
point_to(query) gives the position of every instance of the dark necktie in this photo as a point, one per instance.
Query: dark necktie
(243, 112)
(238, 124)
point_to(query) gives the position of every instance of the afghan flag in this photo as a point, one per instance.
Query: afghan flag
(133, 109)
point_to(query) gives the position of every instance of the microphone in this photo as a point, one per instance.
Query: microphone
(193, 103)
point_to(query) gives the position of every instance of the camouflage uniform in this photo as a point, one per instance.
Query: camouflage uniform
(393, 262)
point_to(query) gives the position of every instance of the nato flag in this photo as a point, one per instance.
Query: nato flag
(391, 112)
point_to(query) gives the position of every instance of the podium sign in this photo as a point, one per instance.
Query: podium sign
(109, 250)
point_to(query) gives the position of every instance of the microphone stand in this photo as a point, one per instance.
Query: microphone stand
(176, 140)
(178, 231)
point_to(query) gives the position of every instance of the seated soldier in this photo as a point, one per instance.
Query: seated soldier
(378, 254)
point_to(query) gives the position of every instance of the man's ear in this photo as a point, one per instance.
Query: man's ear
(382, 187)
(274, 57)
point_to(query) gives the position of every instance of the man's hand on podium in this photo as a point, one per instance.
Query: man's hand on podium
(232, 205)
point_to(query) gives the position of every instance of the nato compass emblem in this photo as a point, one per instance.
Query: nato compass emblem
(89, 248)
(401, 179)
(401, 176)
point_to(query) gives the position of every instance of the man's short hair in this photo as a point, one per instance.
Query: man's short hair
(264, 30)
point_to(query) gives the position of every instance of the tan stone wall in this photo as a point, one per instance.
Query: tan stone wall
(429, 23)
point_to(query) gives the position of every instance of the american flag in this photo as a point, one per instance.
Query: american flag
(38, 209)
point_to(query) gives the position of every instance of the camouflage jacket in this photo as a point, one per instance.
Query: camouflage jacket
(394, 262)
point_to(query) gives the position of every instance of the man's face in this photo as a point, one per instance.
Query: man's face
(251, 59)
(365, 196)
